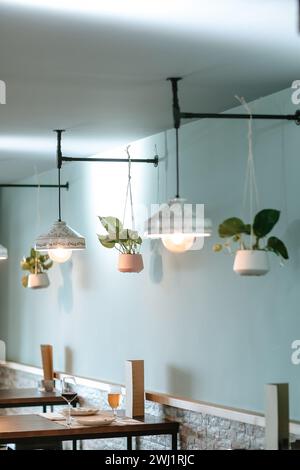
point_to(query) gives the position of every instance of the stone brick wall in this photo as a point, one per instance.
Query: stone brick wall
(198, 431)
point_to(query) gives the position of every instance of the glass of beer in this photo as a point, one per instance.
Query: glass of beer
(114, 398)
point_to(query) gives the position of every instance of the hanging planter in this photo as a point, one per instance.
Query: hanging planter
(126, 242)
(251, 263)
(130, 263)
(252, 254)
(36, 264)
(38, 281)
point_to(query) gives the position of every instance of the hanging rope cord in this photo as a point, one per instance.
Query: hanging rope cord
(129, 193)
(250, 186)
(38, 212)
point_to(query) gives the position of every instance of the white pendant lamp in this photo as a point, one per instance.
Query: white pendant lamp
(3, 253)
(178, 224)
(61, 240)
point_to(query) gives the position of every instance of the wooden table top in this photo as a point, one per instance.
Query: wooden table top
(22, 428)
(29, 397)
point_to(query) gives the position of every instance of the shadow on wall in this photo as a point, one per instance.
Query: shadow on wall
(292, 238)
(156, 265)
(180, 381)
(65, 291)
(68, 360)
(2, 351)
(165, 158)
(86, 279)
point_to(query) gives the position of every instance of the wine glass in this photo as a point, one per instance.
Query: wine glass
(114, 397)
(69, 393)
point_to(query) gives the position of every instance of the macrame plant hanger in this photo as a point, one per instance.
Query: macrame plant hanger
(129, 193)
(250, 260)
(38, 279)
(38, 216)
(130, 262)
(251, 196)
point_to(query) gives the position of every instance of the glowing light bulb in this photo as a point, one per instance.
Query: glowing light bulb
(3, 253)
(178, 242)
(60, 255)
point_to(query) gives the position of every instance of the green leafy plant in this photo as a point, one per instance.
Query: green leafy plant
(122, 239)
(251, 237)
(36, 263)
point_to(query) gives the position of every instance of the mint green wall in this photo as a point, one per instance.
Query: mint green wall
(204, 332)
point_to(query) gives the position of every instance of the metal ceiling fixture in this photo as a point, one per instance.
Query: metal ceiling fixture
(178, 114)
(14, 185)
(178, 223)
(61, 240)
(177, 231)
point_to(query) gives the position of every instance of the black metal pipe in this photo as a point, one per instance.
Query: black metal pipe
(59, 165)
(58, 149)
(64, 186)
(111, 160)
(176, 108)
(59, 196)
(177, 162)
(288, 117)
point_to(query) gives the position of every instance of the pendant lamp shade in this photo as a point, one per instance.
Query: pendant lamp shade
(60, 236)
(178, 224)
(61, 240)
(3, 252)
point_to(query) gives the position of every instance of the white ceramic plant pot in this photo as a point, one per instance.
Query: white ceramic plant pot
(251, 262)
(130, 263)
(38, 281)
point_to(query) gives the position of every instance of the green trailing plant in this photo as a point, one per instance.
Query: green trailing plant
(252, 237)
(36, 263)
(122, 239)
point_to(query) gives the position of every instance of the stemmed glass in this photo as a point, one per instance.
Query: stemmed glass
(114, 398)
(69, 393)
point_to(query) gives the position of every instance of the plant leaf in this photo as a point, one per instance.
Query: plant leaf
(25, 281)
(278, 247)
(264, 222)
(47, 264)
(106, 241)
(112, 225)
(25, 265)
(43, 262)
(134, 236)
(231, 227)
(124, 235)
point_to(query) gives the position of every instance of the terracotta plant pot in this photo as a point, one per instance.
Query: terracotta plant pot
(251, 262)
(130, 263)
(38, 281)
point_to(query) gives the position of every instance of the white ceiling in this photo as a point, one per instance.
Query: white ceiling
(98, 68)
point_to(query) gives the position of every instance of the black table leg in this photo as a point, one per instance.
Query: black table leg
(74, 444)
(51, 408)
(129, 443)
(174, 441)
(44, 408)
